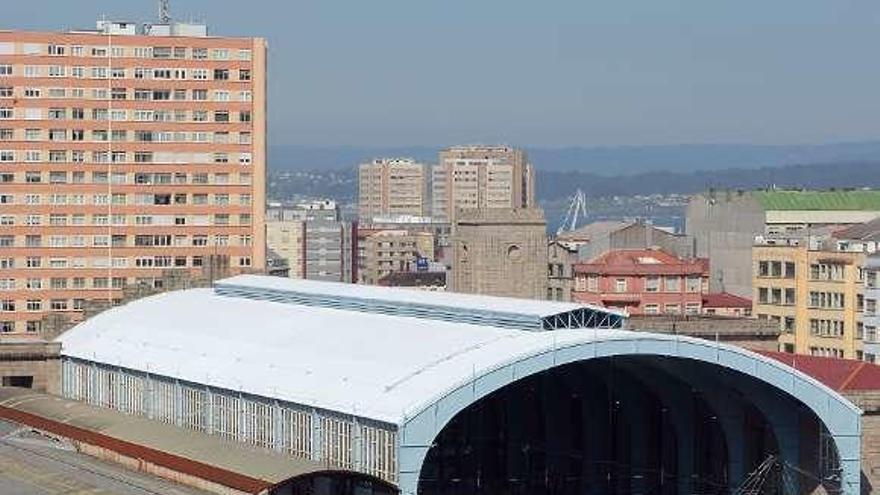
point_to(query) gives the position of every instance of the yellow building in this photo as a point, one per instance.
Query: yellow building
(814, 294)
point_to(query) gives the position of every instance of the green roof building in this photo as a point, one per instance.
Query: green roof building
(725, 225)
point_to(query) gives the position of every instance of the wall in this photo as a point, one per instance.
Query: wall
(724, 226)
(31, 357)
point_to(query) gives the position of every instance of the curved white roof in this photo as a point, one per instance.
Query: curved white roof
(370, 365)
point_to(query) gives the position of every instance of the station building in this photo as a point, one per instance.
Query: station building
(440, 393)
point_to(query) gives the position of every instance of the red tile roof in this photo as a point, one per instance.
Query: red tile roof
(842, 375)
(725, 300)
(643, 262)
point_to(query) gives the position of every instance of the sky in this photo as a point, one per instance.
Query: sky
(550, 73)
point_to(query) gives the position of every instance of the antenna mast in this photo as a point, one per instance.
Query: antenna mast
(165, 11)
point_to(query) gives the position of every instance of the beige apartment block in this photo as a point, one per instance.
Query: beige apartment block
(500, 252)
(469, 177)
(287, 239)
(815, 295)
(392, 187)
(384, 252)
(123, 154)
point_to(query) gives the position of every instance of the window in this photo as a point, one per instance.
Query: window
(5, 70)
(5, 92)
(620, 285)
(244, 74)
(673, 284)
(244, 116)
(200, 94)
(200, 53)
(221, 116)
(221, 74)
(6, 113)
(7, 134)
(652, 283)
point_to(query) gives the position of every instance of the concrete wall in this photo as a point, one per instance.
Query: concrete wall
(750, 333)
(724, 226)
(33, 358)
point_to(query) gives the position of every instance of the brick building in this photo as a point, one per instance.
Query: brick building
(642, 281)
(124, 153)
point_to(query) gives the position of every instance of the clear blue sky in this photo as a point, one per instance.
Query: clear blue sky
(544, 73)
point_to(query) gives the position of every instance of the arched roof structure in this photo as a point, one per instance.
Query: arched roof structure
(410, 373)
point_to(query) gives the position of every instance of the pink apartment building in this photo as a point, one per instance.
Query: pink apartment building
(123, 153)
(642, 281)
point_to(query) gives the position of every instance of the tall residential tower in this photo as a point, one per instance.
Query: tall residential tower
(124, 153)
(480, 177)
(392, 187)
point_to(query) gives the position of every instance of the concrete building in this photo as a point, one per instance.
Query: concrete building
(384, 252)
(468, 177)
(500, 252)
(392, 187)
(286, 238)
(814, 294)
(314, 240)
(705, 413)
(124, 154)
(724, 225)
(598, 238)
(561, 258)
(643, 281)
(29, 361)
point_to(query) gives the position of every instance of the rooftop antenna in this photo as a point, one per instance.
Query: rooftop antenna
(165, 11)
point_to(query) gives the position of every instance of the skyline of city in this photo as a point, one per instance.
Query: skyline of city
(576, 73)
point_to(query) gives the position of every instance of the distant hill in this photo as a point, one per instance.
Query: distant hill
(603, 161)
(341, 184)
(552, 184)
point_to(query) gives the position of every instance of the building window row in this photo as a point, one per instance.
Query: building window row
(118, 241)
(126, 51)
(826, 352)
(826, 328)
(123, 135)
(165, 199)
(776, 269)
(124, 115)
(121, 157)
(827, 271)
(120, 94)
(827, 300)
(777, 296)
(140, 178)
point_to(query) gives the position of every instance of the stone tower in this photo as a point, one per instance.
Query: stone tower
(500, 252)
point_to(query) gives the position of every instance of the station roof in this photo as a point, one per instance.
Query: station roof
(375, 366)
(504, 312)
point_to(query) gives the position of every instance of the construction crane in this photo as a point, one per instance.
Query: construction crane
(577, 208)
